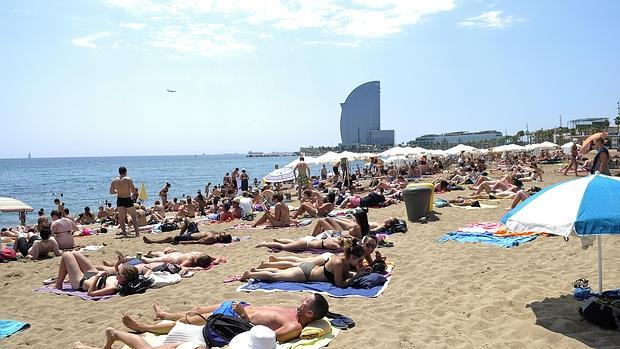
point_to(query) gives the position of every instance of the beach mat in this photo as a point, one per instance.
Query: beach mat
(70, 292)
(487, 238)
(10, 327)
(325, 288)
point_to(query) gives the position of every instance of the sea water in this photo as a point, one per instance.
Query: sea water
(86, 181)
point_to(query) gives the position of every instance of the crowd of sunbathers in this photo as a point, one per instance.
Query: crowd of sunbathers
(348, 242)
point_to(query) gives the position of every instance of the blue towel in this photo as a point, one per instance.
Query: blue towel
(9, 327)
(487, 238)
(313, 287)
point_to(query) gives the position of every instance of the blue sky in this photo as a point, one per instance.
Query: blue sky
(88, 78)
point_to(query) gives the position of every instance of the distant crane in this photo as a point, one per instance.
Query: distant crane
(171, 91)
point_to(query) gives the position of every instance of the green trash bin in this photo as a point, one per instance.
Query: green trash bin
(417, 202)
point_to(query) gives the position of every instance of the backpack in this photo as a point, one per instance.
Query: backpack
(140, 285)
(221, 329)
(169, 226)
(602, 312)
(400, 227)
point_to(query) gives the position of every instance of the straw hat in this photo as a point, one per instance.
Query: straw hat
(259, 337)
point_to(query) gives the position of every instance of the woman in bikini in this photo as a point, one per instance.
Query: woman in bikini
(317, 209)
(335, 270)
(84, 276)
(358, 228)
(308, 242)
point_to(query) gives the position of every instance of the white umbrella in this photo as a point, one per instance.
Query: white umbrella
(307, 159)
(566, 148)
(460, 148)
(328, 157)
(396, 151)
(507, 148)
(280, 175)
(350, 155)
(13, 205)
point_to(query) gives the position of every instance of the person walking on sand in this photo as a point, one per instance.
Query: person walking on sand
(302, 175)
(122, 186)
(573, 158)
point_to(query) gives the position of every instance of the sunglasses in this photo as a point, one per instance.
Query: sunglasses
(370, 245)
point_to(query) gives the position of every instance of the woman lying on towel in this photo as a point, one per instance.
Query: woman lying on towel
(359, 227)
(369, 244)
(335, 270)
(85, 277)
(326, 241)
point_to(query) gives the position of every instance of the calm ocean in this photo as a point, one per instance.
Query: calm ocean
(86, 181)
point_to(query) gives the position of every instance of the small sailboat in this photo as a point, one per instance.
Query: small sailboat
(29, 156)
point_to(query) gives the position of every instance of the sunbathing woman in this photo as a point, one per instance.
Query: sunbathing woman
(204, 238)
(317, 209)
(374, 198)
(280, 217)
(84, 276)
(355, 228)
(335, 270)
(307, 243)
(184, 260)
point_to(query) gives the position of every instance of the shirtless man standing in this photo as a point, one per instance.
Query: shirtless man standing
(123, 187)
(302, 175)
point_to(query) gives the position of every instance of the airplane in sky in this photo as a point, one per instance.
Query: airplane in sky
(171, 91)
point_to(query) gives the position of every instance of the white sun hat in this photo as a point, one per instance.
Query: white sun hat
(259, 337)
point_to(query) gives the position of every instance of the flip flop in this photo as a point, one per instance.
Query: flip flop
(49, 281)
(340, 320)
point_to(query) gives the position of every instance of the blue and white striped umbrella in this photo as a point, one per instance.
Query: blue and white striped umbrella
(585, 206)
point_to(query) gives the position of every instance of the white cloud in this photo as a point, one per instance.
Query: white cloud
(361, 18)
(89, 40)
(490, 19)
(134, 26)
(203, 39)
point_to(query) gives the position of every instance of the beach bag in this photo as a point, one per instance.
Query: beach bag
(604, 313)
(221, 329)
(8, 254)
(140, 285)
(169, 226)
(400, 227)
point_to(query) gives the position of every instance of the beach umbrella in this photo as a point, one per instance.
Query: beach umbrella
(350, 155)
(280, 175)
(586, 146)
(13, 205)
(307, 159)
(587, 207)
(395, 151)
(566, 148)
(328, 157)
(456, 150)
(142, 194)
(507, 148)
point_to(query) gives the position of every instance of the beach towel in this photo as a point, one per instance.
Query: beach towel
(164, 278)
(315, 343)
(316, 287)
(10, 327)
(245, 226)
(91, 248)
(482, 227)
(482, 206)
(70, 292)
(487, 238)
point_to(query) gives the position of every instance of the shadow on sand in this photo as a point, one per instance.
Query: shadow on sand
(561, 315)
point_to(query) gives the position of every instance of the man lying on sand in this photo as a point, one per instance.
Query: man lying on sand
(190, 234)
(287, 322)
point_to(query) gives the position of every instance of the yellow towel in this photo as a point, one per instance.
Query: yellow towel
(316, 329)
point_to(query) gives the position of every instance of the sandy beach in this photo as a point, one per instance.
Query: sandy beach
(442, 295)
